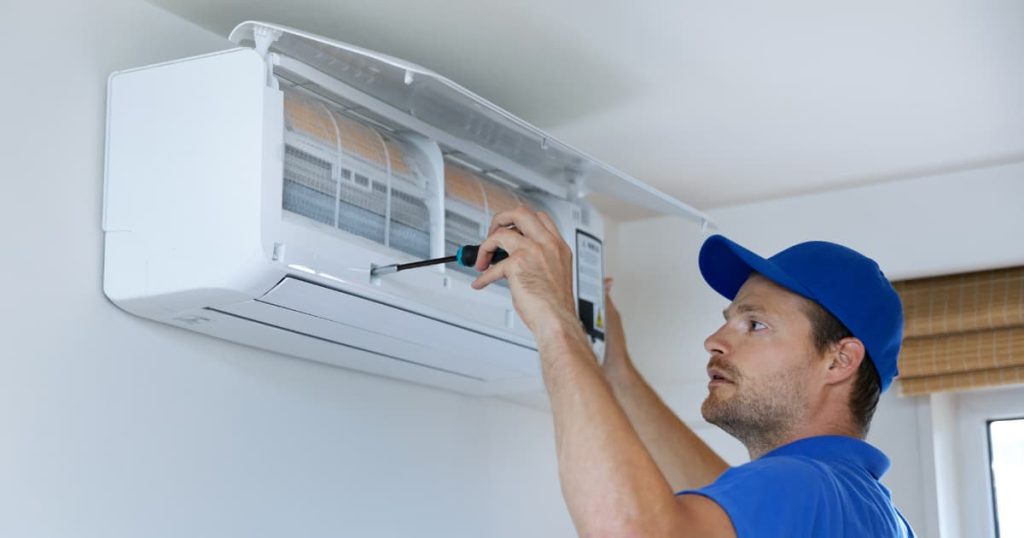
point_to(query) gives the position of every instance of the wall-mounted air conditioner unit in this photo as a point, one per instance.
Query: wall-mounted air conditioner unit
(250, 191)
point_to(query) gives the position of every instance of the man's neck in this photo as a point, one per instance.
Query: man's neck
(766, 443)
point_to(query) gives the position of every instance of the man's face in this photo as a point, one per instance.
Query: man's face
(761, 366)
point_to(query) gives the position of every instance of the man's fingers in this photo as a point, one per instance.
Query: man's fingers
(523, 219)
(508, 240)
(548, 223)
(487, 277)
(608, 281)
(512, 231)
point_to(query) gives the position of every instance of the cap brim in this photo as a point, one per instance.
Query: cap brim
(725, 266)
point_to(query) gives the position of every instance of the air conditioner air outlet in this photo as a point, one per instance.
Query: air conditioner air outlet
(332, 315)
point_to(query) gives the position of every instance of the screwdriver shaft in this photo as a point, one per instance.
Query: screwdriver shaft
(424, 263)
(466, 257)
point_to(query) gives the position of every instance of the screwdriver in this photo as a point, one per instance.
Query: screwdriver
(465, 256)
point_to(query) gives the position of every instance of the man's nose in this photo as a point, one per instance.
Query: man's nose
(716, 343)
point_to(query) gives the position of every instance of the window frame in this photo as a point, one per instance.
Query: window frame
(975, 411)
(992, 476)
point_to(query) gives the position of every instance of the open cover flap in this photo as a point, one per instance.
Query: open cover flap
(463, 115)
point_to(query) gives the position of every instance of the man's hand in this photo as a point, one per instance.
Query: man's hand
(615, 354)
(538, 268)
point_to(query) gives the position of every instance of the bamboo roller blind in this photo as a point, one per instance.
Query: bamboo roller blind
(962, 331)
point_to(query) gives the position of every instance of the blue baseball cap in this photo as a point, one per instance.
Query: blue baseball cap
(843, 281)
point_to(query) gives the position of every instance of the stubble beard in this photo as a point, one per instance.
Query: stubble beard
(762, 415)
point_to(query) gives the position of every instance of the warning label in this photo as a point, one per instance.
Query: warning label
(590, 283)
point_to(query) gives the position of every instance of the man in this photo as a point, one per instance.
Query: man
(788, 378)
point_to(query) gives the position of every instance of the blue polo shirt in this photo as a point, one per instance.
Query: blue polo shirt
(819, 486)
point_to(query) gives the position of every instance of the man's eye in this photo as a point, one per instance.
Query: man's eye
(756, 325)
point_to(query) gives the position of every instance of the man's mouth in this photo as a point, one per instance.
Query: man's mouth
(717, 377)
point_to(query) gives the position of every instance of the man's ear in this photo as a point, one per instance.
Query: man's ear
(845, 358)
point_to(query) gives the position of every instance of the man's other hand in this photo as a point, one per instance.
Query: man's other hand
(615, 337)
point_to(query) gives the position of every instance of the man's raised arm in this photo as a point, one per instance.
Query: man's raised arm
(611, 484)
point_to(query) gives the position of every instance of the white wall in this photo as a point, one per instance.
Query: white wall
(951, 223)
(112, 425)
(933, 225)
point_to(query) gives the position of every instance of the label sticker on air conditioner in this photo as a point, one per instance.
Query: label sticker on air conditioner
(590, 283)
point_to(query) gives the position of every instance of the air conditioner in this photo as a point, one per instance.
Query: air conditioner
(249, 192)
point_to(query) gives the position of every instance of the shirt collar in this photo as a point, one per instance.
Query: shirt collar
(837, 448)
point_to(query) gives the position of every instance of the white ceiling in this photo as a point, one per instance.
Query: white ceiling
(714, 102)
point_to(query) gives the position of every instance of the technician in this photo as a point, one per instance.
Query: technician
(809, 342)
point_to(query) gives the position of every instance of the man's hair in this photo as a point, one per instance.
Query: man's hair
(826, 331)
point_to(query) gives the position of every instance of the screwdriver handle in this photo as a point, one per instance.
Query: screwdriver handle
(466, 256)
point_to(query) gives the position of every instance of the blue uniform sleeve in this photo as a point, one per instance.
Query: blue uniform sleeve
(773, 497)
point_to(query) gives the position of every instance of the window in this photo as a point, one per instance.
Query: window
(1006, 457)
(979, 487)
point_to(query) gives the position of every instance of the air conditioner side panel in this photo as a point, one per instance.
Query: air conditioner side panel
(190, 173)
(575, 218)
